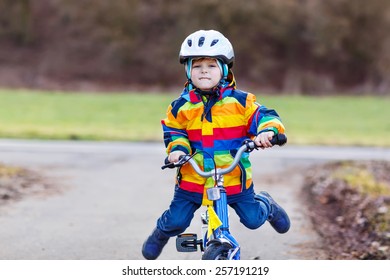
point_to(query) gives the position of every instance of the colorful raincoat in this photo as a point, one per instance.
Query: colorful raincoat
(215, 128)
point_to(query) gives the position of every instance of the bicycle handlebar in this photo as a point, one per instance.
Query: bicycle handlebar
(278, 139)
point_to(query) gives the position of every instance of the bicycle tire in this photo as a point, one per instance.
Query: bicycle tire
(217, 251)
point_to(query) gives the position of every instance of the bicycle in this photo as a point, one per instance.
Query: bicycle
(220, 243)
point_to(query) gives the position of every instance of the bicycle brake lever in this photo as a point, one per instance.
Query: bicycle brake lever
(250, 145)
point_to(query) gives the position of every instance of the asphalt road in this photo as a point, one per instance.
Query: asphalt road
(109, 195)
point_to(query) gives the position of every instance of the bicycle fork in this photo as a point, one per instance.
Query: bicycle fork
(222, 234)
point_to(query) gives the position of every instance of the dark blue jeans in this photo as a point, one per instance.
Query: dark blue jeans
(177, 218)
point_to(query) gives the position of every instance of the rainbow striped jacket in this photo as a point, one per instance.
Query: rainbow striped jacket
(215, 129)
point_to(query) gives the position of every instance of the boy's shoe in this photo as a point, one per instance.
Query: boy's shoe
(277, 217)
(153, 246)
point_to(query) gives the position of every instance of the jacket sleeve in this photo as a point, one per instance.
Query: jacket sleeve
(174, 129)
(262, 118)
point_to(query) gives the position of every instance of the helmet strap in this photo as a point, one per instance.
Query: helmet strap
(215, 91)
(224, 69)
(188, 66)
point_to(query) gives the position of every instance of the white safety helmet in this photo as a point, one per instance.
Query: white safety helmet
(207, 43)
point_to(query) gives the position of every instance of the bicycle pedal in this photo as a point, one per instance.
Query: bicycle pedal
(187, 242)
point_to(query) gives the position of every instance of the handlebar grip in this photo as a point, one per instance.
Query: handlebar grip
(167, 164)
(279, 139)
(171, 165)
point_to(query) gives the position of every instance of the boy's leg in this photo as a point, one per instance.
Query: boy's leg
(171, 223)
(254, 210)
(252, 213)
(277, 216)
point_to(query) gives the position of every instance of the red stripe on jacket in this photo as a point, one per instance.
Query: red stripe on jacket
(225, 133)
(198, 188)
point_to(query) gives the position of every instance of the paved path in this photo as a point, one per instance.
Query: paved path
(110, 195)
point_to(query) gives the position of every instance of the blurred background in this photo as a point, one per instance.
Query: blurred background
(102, 70)
(282, 46)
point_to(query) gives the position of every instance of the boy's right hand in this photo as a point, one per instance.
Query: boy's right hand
(174, 156)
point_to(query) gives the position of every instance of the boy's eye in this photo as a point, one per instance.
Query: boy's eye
(211, 65)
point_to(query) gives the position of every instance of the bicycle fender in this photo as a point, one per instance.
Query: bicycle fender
(219, 241)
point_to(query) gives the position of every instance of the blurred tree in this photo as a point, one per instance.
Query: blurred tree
(305, 46)
(15, 20)
(351, 39)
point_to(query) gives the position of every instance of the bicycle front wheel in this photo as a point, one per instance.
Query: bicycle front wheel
(217, 252)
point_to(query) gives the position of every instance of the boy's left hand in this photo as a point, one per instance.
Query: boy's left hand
(263, 140)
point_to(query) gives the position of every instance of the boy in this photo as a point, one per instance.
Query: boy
(213, 118)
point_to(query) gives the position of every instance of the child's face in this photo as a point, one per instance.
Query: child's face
(205, 73)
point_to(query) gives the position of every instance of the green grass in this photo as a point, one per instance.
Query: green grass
(136, 117)
(335, 120)
(54, 115)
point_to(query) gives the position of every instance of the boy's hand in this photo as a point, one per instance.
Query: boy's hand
(263, 139)
(174, 156)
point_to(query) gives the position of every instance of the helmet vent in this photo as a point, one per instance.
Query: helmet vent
(189, 42)
(201, 41)
(214, 42)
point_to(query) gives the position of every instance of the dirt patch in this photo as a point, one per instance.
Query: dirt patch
(17, 183)
(349, 206)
